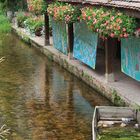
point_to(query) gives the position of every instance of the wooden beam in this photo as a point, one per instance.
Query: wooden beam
(70, 38)
(47, 35)
(110, 45)
(131, 12)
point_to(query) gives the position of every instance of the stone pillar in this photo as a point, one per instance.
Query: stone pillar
(47, 36)
(110, 45)
(70, 38)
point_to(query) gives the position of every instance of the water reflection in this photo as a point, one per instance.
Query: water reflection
(41, 101)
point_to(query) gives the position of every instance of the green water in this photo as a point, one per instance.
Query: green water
(118, 133)
(41, 101)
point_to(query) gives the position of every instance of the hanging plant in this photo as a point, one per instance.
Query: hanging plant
(36, 6)
(63, 12)
(108, 23)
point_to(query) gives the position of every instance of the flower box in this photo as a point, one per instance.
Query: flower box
(59, 36)
(130, 57)
(37, 7)
(62, 15)
(108, 23)
(85, 44)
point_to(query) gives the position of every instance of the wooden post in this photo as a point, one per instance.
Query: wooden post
(47, 36)
(110, 45)
(70, 38)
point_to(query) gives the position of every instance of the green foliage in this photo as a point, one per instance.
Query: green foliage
(21, 17)
(1, 9)
(13, 5)
(8, 4)
(63, 12)
(117, 133)
(117, 99)
(37, 7)
(108, 22)
(34, 23)
(20, 5)
(5, 26)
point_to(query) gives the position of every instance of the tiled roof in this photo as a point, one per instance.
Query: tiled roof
(129, 4)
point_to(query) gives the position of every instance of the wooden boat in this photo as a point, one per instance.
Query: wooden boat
(112, 114)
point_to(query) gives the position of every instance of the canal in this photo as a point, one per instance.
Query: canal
(39, 100)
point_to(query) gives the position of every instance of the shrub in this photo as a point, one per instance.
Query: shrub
(21, 17)
(108, 23)
(35, 24)
(5, 26)
(63, 12)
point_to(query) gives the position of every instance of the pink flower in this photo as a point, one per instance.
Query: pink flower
(125, 35)
(97, 30)
(30, 8)
(67, 18)
(84, 16)
(93, 14)
(112, 18)
(95, 21)
(138, 29)
(124, 29)
(118, 28)
(89, 17)
(121, 35)
(118, 20)
(78, 18)
(111, 27)
(106, 22)
(112, 35)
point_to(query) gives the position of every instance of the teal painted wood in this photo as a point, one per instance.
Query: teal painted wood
(59, 36)
(130, 57)
(85, 44)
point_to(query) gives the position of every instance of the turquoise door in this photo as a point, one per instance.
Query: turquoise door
(59, 36)
(85, 44)
(130, 57)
